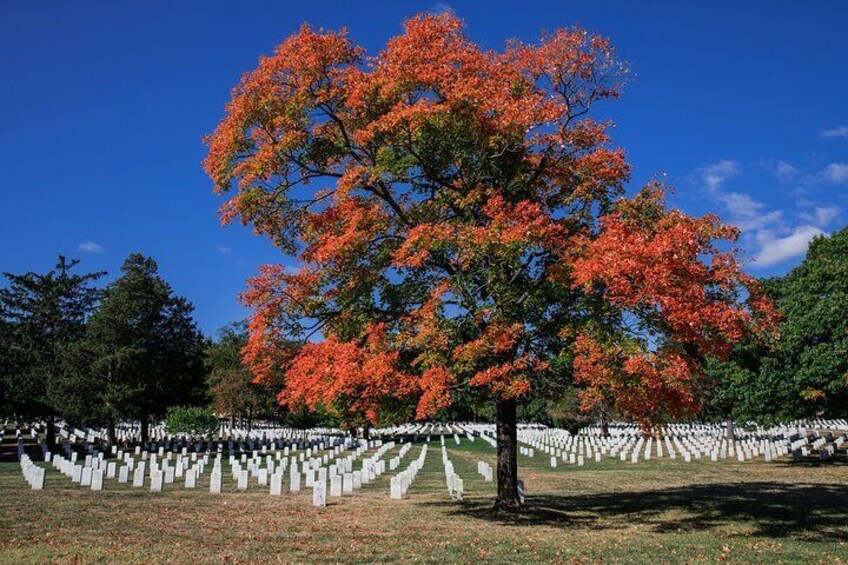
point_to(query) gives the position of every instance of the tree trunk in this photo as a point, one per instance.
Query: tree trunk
(50, 437)
(110, 432)
(604, 426)
(145, 430)
(232, 422)
(507, 438)
(249, 420)
(730, 433)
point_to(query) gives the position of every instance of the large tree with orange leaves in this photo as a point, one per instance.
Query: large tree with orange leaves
(461, 223)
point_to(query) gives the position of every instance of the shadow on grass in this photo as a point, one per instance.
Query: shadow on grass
(768, 509)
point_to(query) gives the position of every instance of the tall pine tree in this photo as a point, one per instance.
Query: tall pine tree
(143, 348)
(42, 316)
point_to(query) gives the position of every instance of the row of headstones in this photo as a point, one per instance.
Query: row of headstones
(489, 439)
(372, 467)
(573, 451)
(394, 462)
(94, 470)
(455, 485)
(400, 483)
(189, 466)
(33, 474)
(92, 474)
(211, 446)
(131, 432)
(84, 473)
(567, 457)
(800, 427)
(714, 447)
(486, 471)
(692, 430)
(455, 439)
(429, 428)
(309, 467)
(274, 470)
(174, 442)
(691, 441)
(837, 443)
(632, 450)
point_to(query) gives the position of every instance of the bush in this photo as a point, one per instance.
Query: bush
(191, 420)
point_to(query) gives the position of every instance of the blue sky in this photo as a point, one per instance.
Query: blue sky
(743, 105)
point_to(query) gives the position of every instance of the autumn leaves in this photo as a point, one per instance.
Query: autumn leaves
(460, 224)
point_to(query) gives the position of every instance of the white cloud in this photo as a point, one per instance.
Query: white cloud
(743, 210)
(840, 131)
(90, 247)
(746, 212)
(785, 172)
(770, 237)
(835, 173)
(714, 176)
(441, 8)
(775, 250)
(821, 216)
(225, 249)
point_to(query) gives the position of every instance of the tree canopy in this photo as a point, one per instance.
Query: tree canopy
(142, 351)
(804, 373)
(41, 316)
(231, 383)
(461, 223)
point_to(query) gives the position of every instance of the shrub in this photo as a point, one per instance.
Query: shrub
(191, 419)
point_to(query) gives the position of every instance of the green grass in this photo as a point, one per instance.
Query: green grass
(659, 511)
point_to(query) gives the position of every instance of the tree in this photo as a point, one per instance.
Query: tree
(231, 382)
(805, 374)
(730, 388)
(143, 348)
(191, 420)
(7, 362)
(42, 314)
(461, 225)
(813, 350)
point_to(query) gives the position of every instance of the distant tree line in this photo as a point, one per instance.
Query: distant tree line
(98, 356)
(132, 351)
(128, 352)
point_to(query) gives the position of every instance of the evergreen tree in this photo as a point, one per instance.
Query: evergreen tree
(805, 373)
(144, 349)
(813, 353)
(42, 316)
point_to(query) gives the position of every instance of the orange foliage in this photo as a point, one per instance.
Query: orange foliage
(664, 268)
(457, 207)
(363, 373)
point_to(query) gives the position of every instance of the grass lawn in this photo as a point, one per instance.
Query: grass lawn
(660, 511)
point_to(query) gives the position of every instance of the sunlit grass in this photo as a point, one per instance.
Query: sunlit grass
(659, 511)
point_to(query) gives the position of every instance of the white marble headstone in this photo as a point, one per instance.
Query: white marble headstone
(156, 480)
(97, 480)
(319, 494)
(215, 482)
